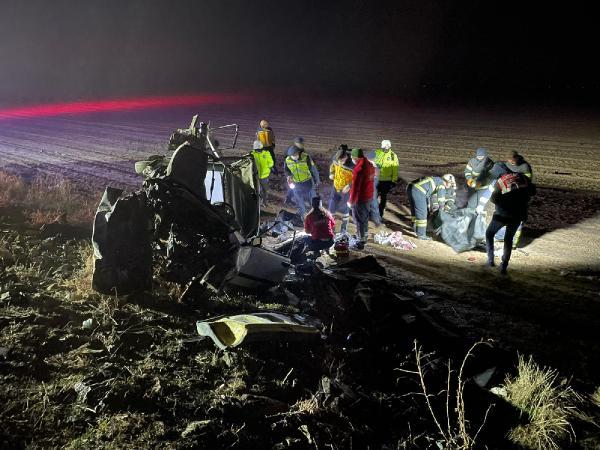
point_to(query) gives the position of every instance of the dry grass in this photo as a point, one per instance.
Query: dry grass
(12, 189)
(308, 406)
(47, 198)
(548, 402)
(454, 429)
(595, 397)
(80, 283)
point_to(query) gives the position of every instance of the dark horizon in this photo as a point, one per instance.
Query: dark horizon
(64, 50)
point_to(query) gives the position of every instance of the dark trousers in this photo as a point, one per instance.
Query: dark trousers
(383, 188)
(264, 190)
(511, 228)
(317, 244)
(360, 215)
(418, 209)
(303, 193)
(271, 150)
(338, 203)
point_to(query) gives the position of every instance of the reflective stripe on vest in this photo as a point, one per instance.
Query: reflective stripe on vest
(419, 184)
(299, 169)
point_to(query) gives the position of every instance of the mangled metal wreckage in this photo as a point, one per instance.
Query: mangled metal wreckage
(195, 221)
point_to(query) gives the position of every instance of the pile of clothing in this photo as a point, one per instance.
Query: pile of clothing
(394, 239)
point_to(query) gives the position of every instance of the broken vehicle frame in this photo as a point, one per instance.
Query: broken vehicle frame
(196, 219)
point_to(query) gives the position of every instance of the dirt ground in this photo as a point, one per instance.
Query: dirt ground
(553, 287)
(548, 305)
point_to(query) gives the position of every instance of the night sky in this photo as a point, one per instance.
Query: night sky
(66, 50)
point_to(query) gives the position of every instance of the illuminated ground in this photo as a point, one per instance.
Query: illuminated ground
(550, 303)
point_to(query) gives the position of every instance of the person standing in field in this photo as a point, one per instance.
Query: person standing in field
(266, 136)
(302, 177)
(264, 164)
(340, 172)
(387, 162)
(361, 195)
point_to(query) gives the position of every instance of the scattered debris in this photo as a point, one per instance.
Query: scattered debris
(394, 239)
(195, 219)
(231, 331)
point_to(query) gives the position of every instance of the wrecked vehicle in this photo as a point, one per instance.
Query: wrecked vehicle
(195, 222)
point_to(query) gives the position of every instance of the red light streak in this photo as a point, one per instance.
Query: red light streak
(84, 107)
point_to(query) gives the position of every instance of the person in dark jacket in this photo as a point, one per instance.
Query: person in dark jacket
(510, 192)
(361, 194)
(515, 163)
(478, 176)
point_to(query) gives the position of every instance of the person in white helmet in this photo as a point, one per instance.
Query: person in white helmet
(387, 163)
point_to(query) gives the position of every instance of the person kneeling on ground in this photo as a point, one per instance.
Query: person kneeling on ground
(320, 224)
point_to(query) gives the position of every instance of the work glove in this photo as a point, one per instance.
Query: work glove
(479, 209)
(331, 177)
(349, 205)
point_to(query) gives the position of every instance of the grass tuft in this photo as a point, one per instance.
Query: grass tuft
(548, 402)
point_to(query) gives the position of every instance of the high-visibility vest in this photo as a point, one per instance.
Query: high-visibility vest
(299, 169)
(264, 163)
(388, 165)
(342, 176)
(266, 136)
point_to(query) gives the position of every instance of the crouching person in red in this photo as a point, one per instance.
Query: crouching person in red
(320, 224)
(361, 194)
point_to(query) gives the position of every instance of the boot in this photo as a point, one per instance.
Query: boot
(503, 268)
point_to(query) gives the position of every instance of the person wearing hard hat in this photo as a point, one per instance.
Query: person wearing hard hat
(478, 176)
(429, 194)
(302, 175)
(264, 164)
(387, 162)
(361, 194)
(340, 172)
(266, 136)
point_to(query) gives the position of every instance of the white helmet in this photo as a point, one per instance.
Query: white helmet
(257, 145)
(449, 178)
(386, 144)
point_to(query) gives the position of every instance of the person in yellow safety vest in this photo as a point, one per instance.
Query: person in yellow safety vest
(340, 172)
(302, 177)
(429, 194)
(264, 164)
(266, 136)
(387, 162)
